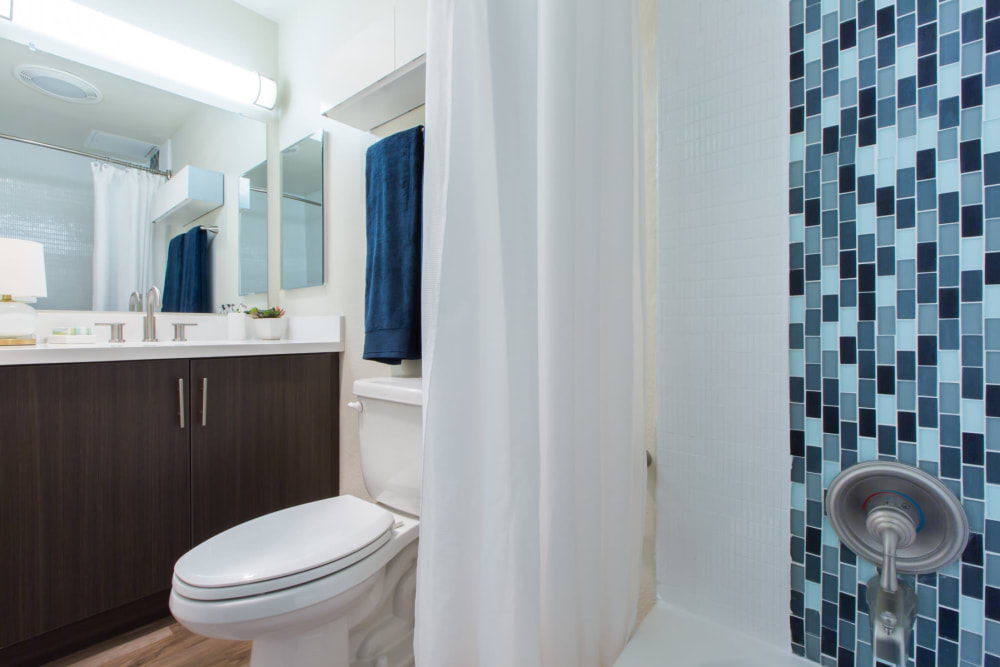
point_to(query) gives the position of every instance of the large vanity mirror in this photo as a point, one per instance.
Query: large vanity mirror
(85, 159)
(302, 213)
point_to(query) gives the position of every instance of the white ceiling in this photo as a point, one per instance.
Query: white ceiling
(276, 10)
(128, 108)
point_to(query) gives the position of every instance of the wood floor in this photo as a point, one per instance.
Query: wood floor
(163, 643)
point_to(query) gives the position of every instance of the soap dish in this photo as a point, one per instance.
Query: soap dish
(65, 339)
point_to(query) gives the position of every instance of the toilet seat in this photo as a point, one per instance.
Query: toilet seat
(283, 549)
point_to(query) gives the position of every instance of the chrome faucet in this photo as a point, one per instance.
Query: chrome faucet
(149, 322)
(135, 302)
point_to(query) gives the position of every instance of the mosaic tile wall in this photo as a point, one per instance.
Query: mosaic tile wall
(894, 279)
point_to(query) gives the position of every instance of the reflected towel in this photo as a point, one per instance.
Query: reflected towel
(172, 280)
(394, 175)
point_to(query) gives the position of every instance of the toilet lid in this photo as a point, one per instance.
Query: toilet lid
(284, 543)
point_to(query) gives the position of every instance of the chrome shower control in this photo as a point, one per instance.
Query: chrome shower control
(899, 518)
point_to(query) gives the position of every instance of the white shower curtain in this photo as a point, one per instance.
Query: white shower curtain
(534, 473)
(123, 234)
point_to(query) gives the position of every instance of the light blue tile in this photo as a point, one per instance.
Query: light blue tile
(973, 416)
(796, 229)
(831, 111)
(886, 165)
(948, 176)
(991, 103)
(829, 337)
(948, 366)
(927, 444)
(848, 63)
(868, 451)
(813, 46)
(797, 310)
(971, 614)
(885, 409)
(830, 6)
(927, 129)
(848, 376)
(830, 279)
(814, 432)
(796, 147)
(797, 362)
(991, 134)
(866, 219)
(972, 58)
(948, 17)
(991, 301)
(993, 502)
(885, 139)
(972, 257)
(906, 334)
(885, 291)
(866, 570)
(971, 4)
(906, 244)
(906, 153)
(829, 535)
(798, 496)
(849, 321)
(972, 123)
(814, 595)
(949, 81)
(906, 61)
(865, 160)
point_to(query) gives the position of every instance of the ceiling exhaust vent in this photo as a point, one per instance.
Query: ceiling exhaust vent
(57, 83)
(133, 150)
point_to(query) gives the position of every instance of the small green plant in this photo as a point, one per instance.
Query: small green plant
(269, 314)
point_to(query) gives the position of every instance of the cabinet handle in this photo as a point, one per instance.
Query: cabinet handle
(180, 400)
(204, 401)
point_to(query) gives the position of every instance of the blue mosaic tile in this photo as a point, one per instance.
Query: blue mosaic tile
(895, 210)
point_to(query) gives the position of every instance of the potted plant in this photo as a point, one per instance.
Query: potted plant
(269, 324)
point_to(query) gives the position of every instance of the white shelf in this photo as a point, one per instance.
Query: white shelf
(390, 97)
(190, 194)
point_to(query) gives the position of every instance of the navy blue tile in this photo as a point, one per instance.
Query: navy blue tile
(948, 113)
(972, 91)
(948, 207)
(972, 26)
(993, 400)
(992, 36)
(927, 39)
(926, 162)
(970, 154)
(992, 603)
(972, 286)
(927, 71)
(831, 53)
(992, 272)
(951, 462)
(887, 440)
(885, 21)
(848, 34)
(886, 261)
(972, 220)
(948, 623)
(926, 11)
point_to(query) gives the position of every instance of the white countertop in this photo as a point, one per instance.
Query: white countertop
(43, 353)
(306, 335)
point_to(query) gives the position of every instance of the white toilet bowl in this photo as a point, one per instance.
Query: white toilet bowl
(331, 582)
(306, 596)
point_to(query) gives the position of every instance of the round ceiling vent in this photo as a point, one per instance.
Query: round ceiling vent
(57, 83)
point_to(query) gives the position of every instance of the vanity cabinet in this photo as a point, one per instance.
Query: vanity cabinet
(260, 438)
(102, 487)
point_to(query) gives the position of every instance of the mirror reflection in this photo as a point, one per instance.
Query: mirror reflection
(253, 231)
(302, 213)
(116, 179)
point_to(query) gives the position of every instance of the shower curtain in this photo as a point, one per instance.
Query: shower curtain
(123, 234)
(534, 472)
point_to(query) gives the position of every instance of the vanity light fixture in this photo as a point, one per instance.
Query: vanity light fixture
(82, 29)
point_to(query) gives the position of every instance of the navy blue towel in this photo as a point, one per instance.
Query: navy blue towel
(172, 281)
(185, 287)
(395, 178)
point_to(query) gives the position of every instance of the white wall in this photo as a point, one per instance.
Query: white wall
(723, 460)
(227, 142)
(325, 50)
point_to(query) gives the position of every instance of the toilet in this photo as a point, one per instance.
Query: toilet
(331, 582)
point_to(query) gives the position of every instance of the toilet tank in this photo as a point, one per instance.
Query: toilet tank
(390, 427)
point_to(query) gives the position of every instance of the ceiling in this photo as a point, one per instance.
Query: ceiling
(276, 10)
(128, 108)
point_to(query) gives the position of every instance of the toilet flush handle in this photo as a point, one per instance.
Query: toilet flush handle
(356, 405)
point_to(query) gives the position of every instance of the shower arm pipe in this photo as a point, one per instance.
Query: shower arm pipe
(71, 151)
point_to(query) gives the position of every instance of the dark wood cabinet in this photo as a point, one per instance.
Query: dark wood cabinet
(95, 492)
(102, 489)
(260, 438)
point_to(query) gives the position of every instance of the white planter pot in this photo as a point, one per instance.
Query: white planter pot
(270, 328)
(236, 326)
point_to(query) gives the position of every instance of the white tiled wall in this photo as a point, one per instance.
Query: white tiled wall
(723, 459)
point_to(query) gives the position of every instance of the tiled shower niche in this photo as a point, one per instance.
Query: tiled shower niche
(894, 202)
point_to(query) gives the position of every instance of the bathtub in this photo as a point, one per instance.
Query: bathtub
(670, 637)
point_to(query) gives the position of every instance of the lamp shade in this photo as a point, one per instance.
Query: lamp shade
(22, 268)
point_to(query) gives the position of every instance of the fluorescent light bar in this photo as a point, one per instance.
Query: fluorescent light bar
(6, 9)
(111, 38)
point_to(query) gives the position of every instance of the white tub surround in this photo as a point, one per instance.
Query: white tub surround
(306, 335)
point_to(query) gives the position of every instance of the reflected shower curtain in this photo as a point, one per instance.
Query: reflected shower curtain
(123, 234)
(534, 472)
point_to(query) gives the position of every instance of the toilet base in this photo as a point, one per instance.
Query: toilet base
(321, 647)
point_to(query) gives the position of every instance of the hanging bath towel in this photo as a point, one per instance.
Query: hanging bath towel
(394, 175)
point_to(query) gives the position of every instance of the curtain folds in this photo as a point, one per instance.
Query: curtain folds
(123, 234)
(534, 469)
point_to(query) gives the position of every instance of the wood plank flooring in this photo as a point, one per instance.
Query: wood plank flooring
(164, 643)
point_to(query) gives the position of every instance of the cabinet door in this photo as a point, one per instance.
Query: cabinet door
(94, 489)
(262, 438)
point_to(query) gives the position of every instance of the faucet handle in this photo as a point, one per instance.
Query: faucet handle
(117, 330)
(180, 330)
